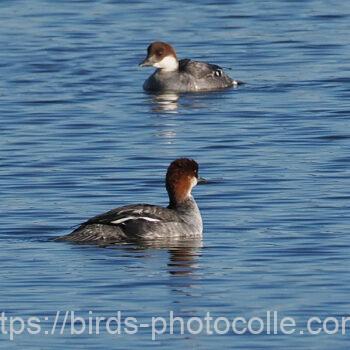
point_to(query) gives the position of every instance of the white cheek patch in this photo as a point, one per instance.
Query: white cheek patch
(120, 221)
(167, 64)
(194, 181)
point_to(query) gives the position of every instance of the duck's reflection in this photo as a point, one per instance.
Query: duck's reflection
(173, 265)
(170, 102)
(183, 255)
(166, 102)
(183, 260)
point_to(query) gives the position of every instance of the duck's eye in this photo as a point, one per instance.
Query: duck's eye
(159, 52)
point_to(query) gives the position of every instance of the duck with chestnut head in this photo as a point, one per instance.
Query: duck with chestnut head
(182, 75)
(144, 222)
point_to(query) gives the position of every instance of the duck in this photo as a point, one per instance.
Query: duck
(183, 75)
(181, 219)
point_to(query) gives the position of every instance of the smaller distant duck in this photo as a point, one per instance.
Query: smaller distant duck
(182, 75)
(145, 222)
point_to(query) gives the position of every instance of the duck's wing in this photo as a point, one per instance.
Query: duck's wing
(123, 215)
(200, 69)
(121, 224)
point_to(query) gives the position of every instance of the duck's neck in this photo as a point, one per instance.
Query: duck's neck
(186, 203)
(190, 214)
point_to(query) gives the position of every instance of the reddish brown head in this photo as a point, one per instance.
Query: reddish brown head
(181, 177)
(161, 55)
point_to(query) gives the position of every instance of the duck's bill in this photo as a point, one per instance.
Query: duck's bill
(146, 63)
(202, 181)
(238, 82)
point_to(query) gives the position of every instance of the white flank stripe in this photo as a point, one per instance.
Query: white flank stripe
(134, 218)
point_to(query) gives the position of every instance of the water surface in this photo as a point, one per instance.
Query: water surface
(79, 136)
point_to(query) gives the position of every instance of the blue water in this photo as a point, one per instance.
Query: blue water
(79, 136)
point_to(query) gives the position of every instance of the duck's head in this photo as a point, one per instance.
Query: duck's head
(162, 56)
(181, 177)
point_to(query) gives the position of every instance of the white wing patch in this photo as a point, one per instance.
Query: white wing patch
(120, 221)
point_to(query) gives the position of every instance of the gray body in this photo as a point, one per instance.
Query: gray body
(191, 76)
(141, 222)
